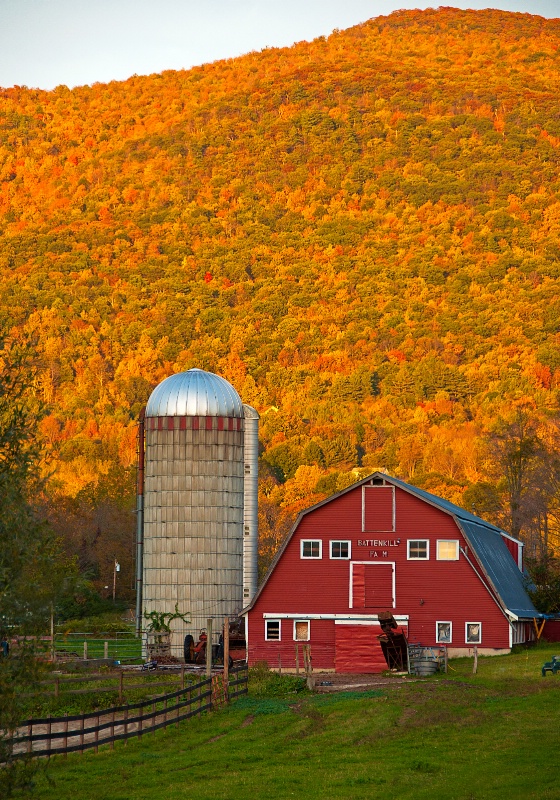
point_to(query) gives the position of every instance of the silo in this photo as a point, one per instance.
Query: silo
(250, 504)
(194, 500)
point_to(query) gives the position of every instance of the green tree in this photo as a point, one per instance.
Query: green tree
(544, 588)
(32, 569)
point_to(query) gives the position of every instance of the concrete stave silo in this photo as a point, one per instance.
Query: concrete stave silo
(195, 501)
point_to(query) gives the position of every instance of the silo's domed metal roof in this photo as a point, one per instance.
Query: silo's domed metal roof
(195, 393)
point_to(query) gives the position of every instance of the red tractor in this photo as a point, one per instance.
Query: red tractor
(195, 653)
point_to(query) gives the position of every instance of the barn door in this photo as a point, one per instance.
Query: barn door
(372, 585)
(357, 649)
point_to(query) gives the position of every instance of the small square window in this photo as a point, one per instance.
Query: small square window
(447, 550)
(341, 549)
(272, 630)
(311, 548)
(444, 632)
(473, 632)
(418, 550)
(301, 630)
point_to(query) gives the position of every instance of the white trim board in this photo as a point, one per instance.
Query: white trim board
(365, 618)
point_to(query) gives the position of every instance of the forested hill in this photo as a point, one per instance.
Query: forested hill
(361, 233)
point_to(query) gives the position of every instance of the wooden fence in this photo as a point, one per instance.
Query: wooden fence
(69, 734)
(119, 681)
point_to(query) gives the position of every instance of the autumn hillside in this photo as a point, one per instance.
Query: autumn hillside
(361, 233)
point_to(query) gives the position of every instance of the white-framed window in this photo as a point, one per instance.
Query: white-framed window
(447, 550)
(311, 548)
(301, 630)
(273, 630)
(341, 549)
(473, 632)
(418, 550)
(444, 632)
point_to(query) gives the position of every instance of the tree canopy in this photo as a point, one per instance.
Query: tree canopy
(361, 233)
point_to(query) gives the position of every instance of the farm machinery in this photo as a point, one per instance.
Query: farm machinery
(195, 652)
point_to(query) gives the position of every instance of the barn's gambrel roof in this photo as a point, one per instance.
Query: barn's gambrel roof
(492, 557)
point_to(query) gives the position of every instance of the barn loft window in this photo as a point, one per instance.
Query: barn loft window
(341, 549)
(444, 632)
(418, 550)
(301, 630)
(272, 630)
(311, 548)
(447, 550)
(378, 509)
(473, 632)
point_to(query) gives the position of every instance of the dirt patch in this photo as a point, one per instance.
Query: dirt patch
(355, 682)
(248, 721)
(313, 720)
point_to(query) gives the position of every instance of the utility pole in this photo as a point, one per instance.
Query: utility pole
(116, 568)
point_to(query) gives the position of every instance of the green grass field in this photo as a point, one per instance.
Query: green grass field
(463, 736)
(122, 648)
(137, 686)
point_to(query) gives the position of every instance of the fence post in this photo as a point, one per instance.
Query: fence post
(297, 659)
(475, 662)
(226, 659)
(65, 740)
(308, 667)
(97, 734)
(113, 730)
(82, 735)
(121, 677)
(182, 676)
(53, 650)
(105, 650)
(49, 729)
(56, 686)
(208, 648)
(126, 725)
(85, 650)
(29, 735)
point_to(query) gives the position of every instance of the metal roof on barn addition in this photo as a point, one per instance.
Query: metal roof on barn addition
(491, 552)
(484, 539)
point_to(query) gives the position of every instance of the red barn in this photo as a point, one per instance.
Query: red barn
(448, 577)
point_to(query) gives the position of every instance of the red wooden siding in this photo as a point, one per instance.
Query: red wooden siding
(551, 630)
(378, 509)
(427, 591)
(357, 649)
(514, 548)
(372, 586)
(282, 653)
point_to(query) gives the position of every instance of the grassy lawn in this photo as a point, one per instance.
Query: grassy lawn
(120, 647)
(464, 736)
(137, 686)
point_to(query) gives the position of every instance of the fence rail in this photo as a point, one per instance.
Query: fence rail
(76, 733)
(121, 645)
(120, 682)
